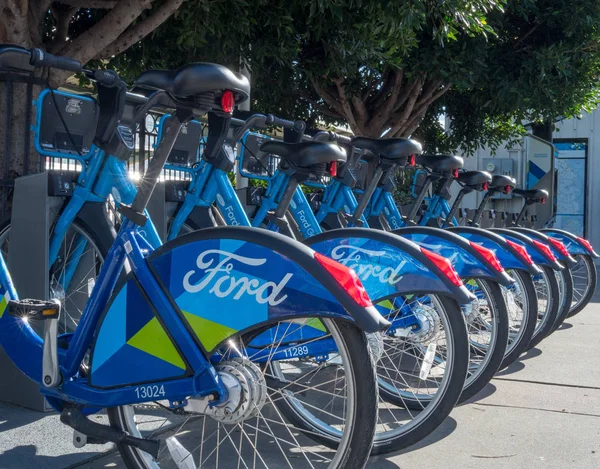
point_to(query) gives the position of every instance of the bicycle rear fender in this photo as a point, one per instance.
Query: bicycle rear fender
(221, 281)
(571, 242)
(508, 256)
(543, 238)
(386, 264)
(538, 256)
(467, 261)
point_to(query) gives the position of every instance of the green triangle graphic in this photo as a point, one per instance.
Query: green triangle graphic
(210, 333)
(3, 304)
(153, 340)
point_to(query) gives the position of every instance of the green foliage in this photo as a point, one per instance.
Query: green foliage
(504, 62)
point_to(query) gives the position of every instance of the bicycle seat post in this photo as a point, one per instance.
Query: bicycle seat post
(479, 212)
(410, 219)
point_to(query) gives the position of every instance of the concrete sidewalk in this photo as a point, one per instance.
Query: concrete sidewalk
(541, 413)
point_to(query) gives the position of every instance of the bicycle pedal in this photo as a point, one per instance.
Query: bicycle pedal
(49, 312)
(34, 309)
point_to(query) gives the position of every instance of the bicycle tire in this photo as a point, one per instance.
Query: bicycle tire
(548, 321)
(591, 288)
(357, 444)
(565, 282)
(496, 356)
(530, 316)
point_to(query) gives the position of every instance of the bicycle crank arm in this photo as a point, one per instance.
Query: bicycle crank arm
(74, 418)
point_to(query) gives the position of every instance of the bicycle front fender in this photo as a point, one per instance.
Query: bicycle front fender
(386, 264)
(538, 255)
(543, 238)
(466, 260)
(508, 256)
(571, 242)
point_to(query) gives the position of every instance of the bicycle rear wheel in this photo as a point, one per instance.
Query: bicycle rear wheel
(584, 283)
(521, 302)
(335, 398)
(546, 289)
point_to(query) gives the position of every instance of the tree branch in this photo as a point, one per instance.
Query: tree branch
(329, 98)
(379, 97)
(417, 117)
(319, 107)
(63, 16)
(141, 29)
(385, 110)
(348, 114)
(37, 13)
(85, 46)
(406, 92)
(99, 4)
(401, 118)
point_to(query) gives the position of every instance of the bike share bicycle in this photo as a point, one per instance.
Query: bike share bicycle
(547, 242)
(584, 271)
(548, 284)
(111, 177)
(475, 265)
(158, 332)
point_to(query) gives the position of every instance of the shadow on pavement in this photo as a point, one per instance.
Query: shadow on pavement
(487, 391)
(564, 326)
(532, 353)
(444, 430)
(14, 458)
(12, 416)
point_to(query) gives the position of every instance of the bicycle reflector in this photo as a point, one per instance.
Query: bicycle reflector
(522, 250)
(545, 249)
(489, 256)
(543, 201)
(507, 189)
(455, 173)
(412, 160)
(227, 101)
(444, 265)
(559, 246)
(486, 186)
(347, 279)
(332, 168)
(586, 244)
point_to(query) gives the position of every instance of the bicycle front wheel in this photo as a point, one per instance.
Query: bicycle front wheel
(334, 397)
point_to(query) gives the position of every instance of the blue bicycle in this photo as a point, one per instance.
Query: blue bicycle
(210, 331)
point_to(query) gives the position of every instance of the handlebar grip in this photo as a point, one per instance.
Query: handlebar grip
(40, 58)
(298, 126)
(106, 77)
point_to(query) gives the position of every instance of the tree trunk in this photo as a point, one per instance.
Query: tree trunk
(17, 154)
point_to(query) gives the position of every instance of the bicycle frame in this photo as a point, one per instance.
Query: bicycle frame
(24, 346)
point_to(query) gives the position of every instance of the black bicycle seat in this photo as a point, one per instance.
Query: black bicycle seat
(15, 58)
(533, 195)
(474, 178)
(390, 148)
(196, 79)
(440, 163)
(500, 181)
(306, 154)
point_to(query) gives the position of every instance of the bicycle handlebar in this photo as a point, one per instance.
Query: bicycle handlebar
(328, 136)
(40, 58)
(260, 121)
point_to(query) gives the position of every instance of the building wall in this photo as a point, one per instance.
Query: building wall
(588, 127)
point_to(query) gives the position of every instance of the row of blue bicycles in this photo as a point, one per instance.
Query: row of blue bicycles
(319, 328)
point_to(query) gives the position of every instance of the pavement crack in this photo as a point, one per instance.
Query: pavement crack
(493, 457)
(546, 383)
(540, 409)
